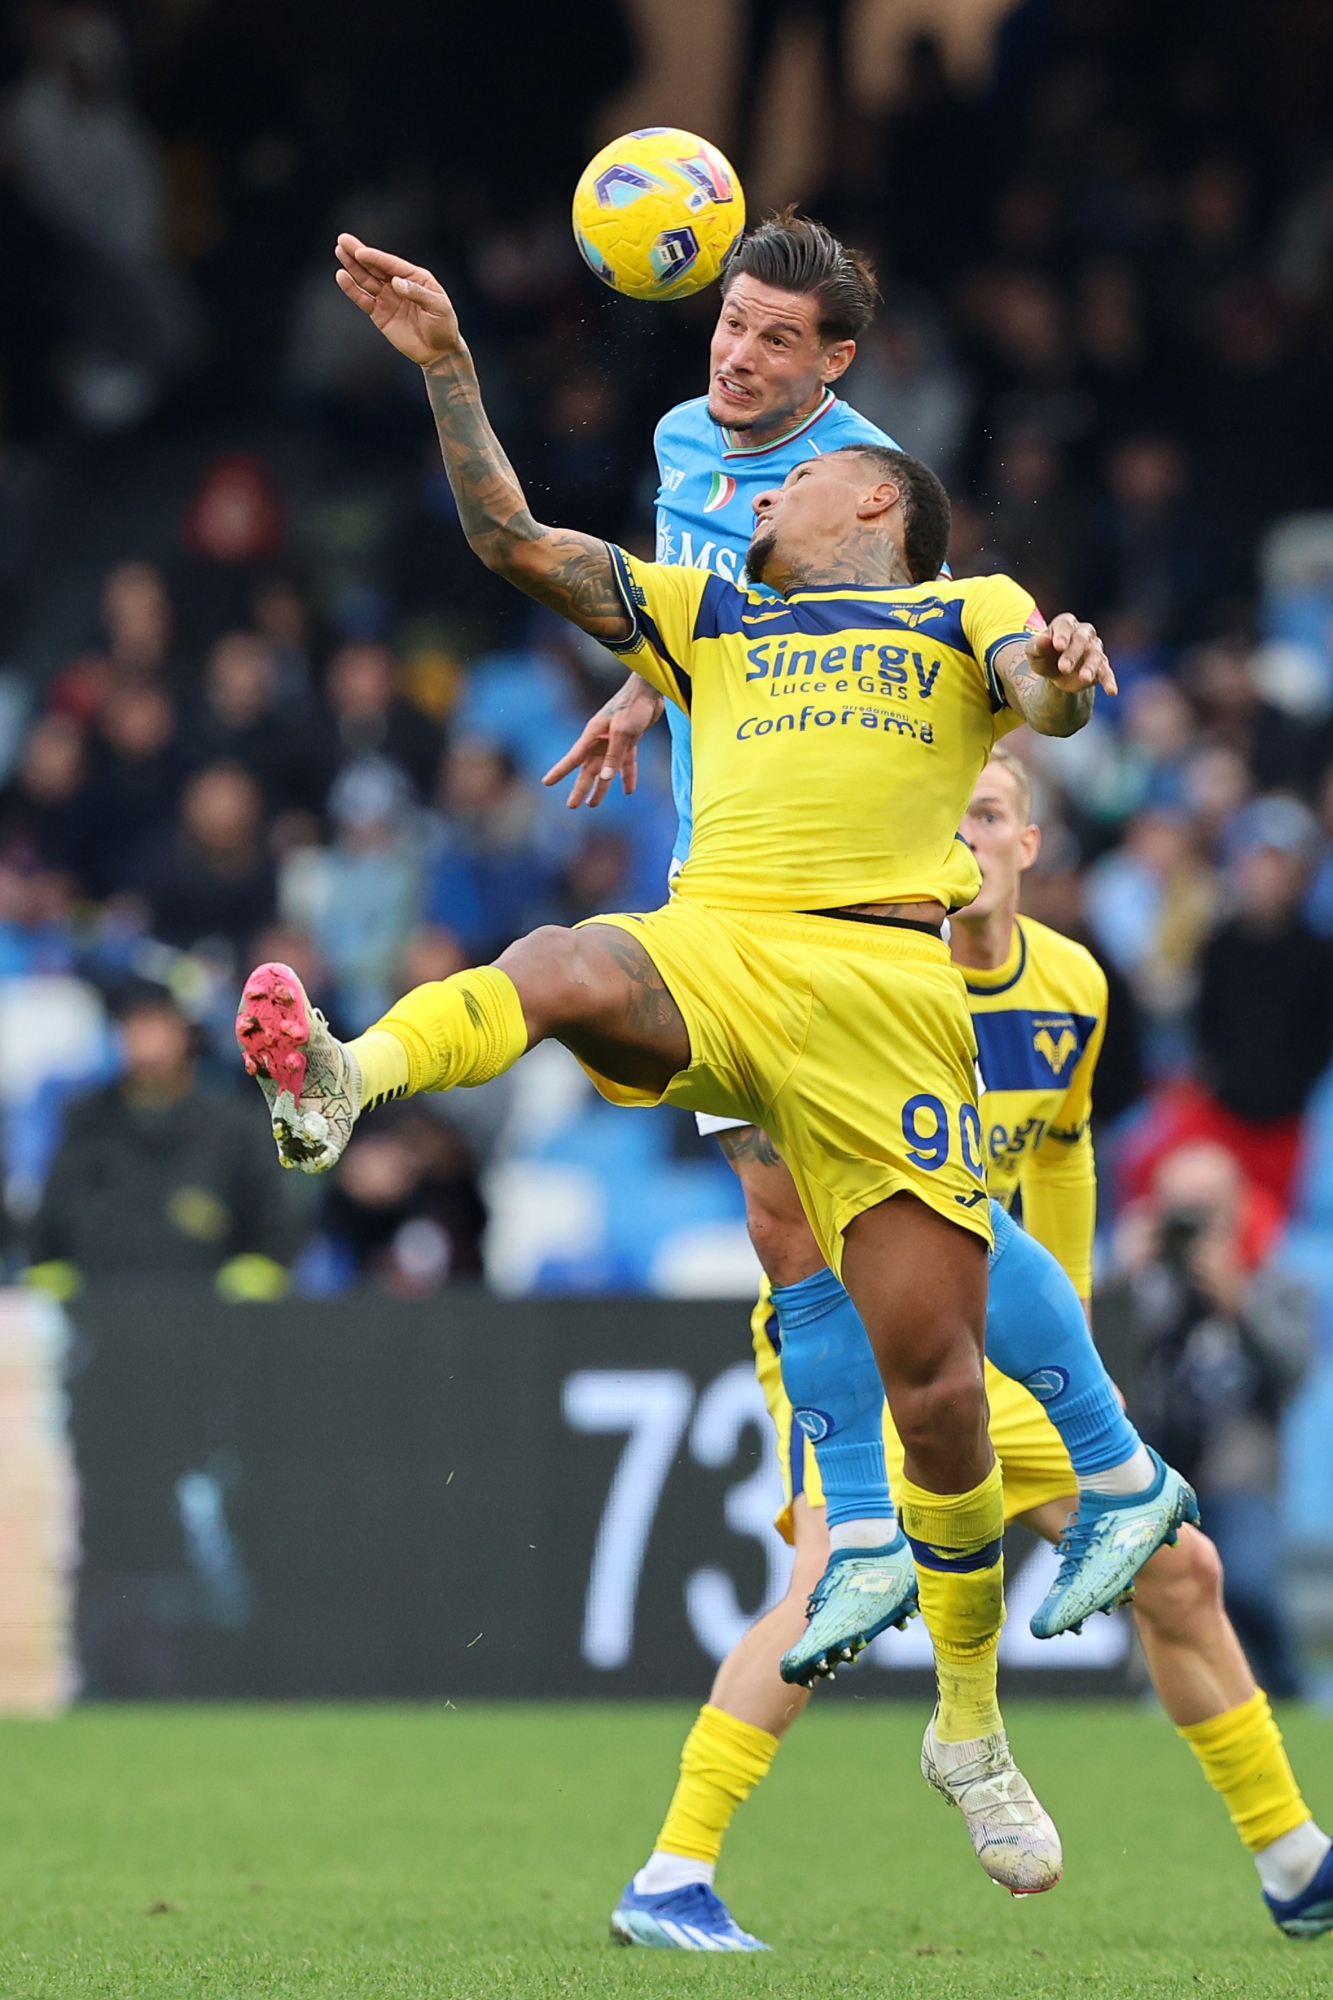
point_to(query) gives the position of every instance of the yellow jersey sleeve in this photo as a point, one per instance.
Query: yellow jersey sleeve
(663, 602)
(996, 611)
(1059, 1180)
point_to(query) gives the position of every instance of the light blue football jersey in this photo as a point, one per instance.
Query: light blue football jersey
(707, 484)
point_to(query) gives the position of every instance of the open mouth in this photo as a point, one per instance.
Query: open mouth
(730, 390)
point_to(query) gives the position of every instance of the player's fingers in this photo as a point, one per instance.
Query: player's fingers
(383, 262)
(582, 785)
(572, 758)
(629, 771)
(348, 284)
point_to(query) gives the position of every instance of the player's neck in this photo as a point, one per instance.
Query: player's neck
(984, 944)
(755, 436)
(862, 559)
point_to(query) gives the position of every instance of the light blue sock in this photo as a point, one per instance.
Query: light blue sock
(1037, 1332)
(837, 1398)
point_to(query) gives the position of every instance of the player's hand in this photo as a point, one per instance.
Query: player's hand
(608, 746)
(1071, 654)
(407, 303)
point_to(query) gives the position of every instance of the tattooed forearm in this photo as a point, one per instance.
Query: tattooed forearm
(1051, 710)
(571, 573)
(749, 1143)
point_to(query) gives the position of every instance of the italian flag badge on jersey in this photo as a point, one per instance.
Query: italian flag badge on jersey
(722, 489)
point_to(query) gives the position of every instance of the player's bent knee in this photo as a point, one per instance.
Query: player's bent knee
(953, 1403)
(550, 969)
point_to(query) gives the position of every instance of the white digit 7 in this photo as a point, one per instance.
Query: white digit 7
(653, 1405)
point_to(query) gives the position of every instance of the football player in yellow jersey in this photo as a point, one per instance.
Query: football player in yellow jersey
(837, 737)
(1027, 982)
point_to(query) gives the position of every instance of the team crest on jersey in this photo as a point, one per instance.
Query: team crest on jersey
(722, 490)
(917, 614)
(1057, 1043)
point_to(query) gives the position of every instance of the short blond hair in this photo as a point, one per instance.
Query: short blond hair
(1017, 769)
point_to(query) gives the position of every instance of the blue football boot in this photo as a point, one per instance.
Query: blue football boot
(860, 1594)
(1107, 1543)
(1310, 1914)
(688, 1919)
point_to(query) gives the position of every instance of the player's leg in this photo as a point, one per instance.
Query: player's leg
(832, 1383)
(595, 989)
(1129, 1502)
(919, 1283)
(1205, 1685)
(671, 1902)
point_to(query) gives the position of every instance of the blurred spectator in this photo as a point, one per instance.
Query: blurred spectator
(282, 618)
(489, 883)
(1035, 514)
(1210, 1342)
(904, 380)
(243, 719)
(234, 525)
(1151, 553)
(1150, 903)
(1279, 751)
(371, 719)
(360, 899)
(89, 167)
(215, 881)
(137, 772)
(138, 627)
(1265, 1014)
(157, 1175)
(404, 1207)
(46, 815)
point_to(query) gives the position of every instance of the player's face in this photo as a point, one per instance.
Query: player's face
(997, 830)
(816, 506)
(768, 364)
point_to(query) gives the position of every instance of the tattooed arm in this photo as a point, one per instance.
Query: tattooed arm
(572, 573)
(1052, 681)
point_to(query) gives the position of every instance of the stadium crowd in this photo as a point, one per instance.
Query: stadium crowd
(261, 701)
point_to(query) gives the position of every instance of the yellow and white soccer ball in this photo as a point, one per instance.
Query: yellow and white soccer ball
(656, 212)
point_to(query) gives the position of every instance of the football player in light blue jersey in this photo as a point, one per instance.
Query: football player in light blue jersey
(777, 350)
(794, 302)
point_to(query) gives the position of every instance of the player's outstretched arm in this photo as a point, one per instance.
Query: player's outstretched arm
(608, 745)
(571, 573)
(1052, 681)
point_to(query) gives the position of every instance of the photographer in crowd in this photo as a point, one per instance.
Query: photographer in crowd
(1210, 1342)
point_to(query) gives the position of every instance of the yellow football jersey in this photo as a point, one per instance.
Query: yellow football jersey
(837, 734)
(1040, 1019)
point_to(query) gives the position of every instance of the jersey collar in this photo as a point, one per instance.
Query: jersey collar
(1001, 977)
(734, 450)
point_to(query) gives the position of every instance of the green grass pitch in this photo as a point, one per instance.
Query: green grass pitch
(472, 1852)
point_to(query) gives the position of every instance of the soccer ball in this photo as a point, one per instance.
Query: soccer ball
(656, 212)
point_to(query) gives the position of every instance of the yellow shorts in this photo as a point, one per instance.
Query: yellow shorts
(1033, 1460)
(850, 1044)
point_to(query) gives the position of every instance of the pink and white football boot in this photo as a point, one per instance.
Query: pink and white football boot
(311, 1081)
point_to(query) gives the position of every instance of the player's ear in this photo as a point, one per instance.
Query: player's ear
(1029, 847)
(838, 359)
(882, 498)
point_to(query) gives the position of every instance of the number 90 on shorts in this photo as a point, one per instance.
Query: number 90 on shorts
(931, 1134)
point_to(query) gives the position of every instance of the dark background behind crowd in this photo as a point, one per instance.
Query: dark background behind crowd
(257, 699)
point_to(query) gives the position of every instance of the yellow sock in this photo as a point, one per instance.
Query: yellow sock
(456, 1031)
(382, 1061)
(1243, 1758)
(958, 1542)
(720, 1765)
